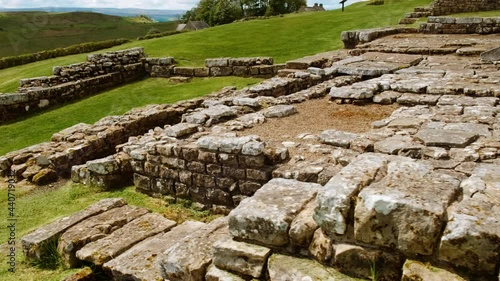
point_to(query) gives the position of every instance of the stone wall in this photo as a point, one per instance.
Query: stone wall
(446, 7)
(100, 72)
(104, 71)
(214, 170)
(447, 25)
(244, 67)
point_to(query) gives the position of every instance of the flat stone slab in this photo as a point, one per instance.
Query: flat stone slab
(266, 216)
(406, 209)
(335, 198)
(103, 250)
(240, 257)
(279, 111)
(139, 262)
(181, 129)
(286, 268)
(337, 138)
(189, 258)
(93, 229)
(217, 274)
(34, 243)
(445, 138)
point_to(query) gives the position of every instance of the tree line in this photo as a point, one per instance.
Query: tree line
(216, 12)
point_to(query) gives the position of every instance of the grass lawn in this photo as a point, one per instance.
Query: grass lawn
(40, 127)
(283, 38)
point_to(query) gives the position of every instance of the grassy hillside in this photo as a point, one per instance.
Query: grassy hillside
(29, 32)
(289, 37)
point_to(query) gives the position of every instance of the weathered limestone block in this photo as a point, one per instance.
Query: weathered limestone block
(218, 113)
(246, 102)
(408, 214)
(93, 229)
(491, 55)
(189, 258)
(85, 274)
(303, 226)
(471, 238)
(445, 138)
(34, 243)
(417, 271)
(337, 138)
(216, 274)
(217, 62)
(266, 217)
(181, 130)
(484, 176)
(105, 249)
(279, 111)
(399, 145)
(362, 262)
(240, 257)
(232, 145)
(321, 247)
(285, 268)
(139, 262)
(104, 166)
(221, 71)
(334, 200)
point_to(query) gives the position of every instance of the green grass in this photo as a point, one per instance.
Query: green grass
(44, 206)
(283, 38)
(40, 127)
(29, 32)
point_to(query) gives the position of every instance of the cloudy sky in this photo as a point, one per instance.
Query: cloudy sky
(143, 4)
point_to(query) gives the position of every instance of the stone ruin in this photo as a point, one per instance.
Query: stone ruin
(105, 71)
(416, 197)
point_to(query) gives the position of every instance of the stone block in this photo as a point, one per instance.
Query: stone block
(34, 244)
(92, 229)
(303, 227)
(189, 258)
(405, 215)
(139, 262)
(240, 257)
(266, 217)
(334, 200)
(105, 249)
(415, 270)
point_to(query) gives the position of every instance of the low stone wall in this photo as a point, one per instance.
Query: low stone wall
(448, 25)
(101, 72)
(447, 7)
(351, 38)
(243, 67)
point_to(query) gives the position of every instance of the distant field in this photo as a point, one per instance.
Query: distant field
(29, 32)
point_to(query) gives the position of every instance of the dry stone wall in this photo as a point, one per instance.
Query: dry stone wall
(448, 25)
(446, 7)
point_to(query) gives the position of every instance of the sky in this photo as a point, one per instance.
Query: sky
(142, 4)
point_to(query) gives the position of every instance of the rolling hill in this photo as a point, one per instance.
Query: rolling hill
(29, 32)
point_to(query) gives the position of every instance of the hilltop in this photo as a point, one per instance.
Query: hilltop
(29, 32)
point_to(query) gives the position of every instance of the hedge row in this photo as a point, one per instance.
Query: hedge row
(7, 62)
(158, 35)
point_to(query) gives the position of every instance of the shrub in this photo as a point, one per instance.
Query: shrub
(7, 62)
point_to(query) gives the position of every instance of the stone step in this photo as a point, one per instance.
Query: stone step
(408, 20)
(104, 250)
(240, 257)
(266, 217)
(285, 72)
(281, 268)
(93, 229)
(189, 258)
(139, 262)
(417, 14)
(34, 244)
(318, 60)
(422, 9)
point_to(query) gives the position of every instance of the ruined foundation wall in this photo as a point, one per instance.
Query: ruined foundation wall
(447, 7)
